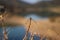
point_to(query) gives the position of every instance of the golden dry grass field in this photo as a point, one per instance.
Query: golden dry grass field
(43, 28)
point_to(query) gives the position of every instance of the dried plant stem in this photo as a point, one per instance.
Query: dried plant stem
(32, 36)
(25, 37)
(5, 37)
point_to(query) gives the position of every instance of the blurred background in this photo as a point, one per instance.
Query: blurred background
(15, 18)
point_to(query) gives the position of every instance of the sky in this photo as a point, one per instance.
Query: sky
(33, 1)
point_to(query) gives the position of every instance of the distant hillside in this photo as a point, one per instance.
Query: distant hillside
(20, 3)
(46, 8)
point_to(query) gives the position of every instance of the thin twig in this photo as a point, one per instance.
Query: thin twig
(3, 26)
(25, 38)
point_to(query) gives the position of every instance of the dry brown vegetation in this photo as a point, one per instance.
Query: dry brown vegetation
(44, 28)
(54, 9)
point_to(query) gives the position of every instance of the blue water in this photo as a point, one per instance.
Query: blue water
(35, 17)
(17, 33)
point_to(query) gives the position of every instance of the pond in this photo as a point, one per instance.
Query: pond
(18, 32)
